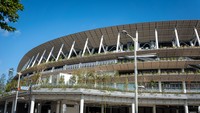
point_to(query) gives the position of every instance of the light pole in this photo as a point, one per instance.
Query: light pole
(135, 67)
(15, 105)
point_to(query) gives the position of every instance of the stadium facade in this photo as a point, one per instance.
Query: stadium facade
(93, 71)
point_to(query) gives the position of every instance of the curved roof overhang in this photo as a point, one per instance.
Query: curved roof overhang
(146, 33)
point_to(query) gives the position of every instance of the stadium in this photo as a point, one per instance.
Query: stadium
(100, 70)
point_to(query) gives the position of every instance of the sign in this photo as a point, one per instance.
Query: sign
(24, 87)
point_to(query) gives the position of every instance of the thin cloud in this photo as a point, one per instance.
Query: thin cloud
(4, 33)
(17, 33)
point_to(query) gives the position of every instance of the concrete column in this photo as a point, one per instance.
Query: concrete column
(50, 79)
(81, 105)
(159, 71)
(53, 68)
(39, 107)
(133, 107)
(5, 107)
(64, 107)
(184, 86)
(102, 108)
(182, 70)
(198, 109)
(58, 107)
(49, 111)
(186, 108)
(160, 86)
(154, 109)
(32, 105)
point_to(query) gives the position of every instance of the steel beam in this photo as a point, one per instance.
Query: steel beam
(177, 39)
(85, 46)
(59, 52)
(156, 39)
(30, 62)
(197, 36)
(35, 59)
(50, 53)
(70, 53)
(118, 42)
(41, 57)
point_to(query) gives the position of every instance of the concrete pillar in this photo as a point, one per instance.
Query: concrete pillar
(182, 70)
(184, 86)
(186, 108)
(58, 107)
(133, 107)
(102, 108)
(50, 79)
(39, 107)
(49, 111)
(159, 71)
(5, 107)
(154, 109)
(160, 86)
(64, 107)
(198, 109)
(81, 105)
(32, 105)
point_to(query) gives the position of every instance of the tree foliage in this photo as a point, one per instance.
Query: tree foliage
(2, 82)
(11, 86)
(61, 80)
(8, 13)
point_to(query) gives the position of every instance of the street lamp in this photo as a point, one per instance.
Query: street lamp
(15, 105)
(135, 68)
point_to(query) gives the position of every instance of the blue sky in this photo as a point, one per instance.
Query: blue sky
(44, 20)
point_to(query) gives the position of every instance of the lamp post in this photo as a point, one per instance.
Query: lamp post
(135, 67)
(15, 105)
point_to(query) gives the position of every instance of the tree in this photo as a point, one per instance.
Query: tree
(62, 80)
(2, 83)
(8, 13)
(10, 75)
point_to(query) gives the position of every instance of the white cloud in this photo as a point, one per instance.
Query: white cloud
(4, 33)
(17, 33)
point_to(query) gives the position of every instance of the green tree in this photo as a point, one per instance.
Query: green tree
(61, 80)
(8, 13)
(2, 83)
(11, 86)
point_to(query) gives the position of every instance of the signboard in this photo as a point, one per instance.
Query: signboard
(25, 88)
